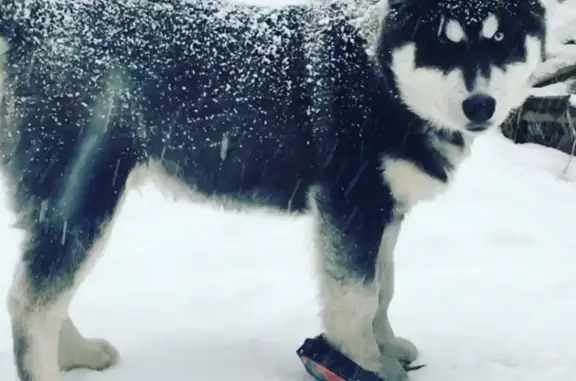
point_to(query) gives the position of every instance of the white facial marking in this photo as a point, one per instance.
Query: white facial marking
(414, 84)
(454, 31)
(509, 87)
(490, 26)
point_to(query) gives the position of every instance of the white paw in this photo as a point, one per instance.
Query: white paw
(387, 367)
(95, 354)
(406, 351)
(392, 370)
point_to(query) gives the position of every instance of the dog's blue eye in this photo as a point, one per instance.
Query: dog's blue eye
(498, 36)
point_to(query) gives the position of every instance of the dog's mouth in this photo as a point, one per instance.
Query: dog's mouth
(478, 127)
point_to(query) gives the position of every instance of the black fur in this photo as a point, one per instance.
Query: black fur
(306, 112)
(267, 107)
(297, 101)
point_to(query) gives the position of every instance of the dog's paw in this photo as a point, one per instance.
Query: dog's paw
(406, 351)
(94, 354)
(391, 369)
(388, 368)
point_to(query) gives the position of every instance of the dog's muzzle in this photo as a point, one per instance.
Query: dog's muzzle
(478, 108)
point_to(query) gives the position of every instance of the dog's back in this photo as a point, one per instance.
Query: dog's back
(168, 81)
(204, 87)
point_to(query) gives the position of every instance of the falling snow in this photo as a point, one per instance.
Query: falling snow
(139, 41)
(484, 298)
(468, 12)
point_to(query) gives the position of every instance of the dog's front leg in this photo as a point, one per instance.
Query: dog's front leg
(389, 344)
(355, 243)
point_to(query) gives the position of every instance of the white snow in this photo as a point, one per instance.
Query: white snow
(485, 284)
(560, 88)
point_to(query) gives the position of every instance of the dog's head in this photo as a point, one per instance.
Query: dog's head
(463, 64)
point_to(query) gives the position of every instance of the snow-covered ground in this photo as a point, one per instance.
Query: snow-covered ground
(485, 282)
(485, 286)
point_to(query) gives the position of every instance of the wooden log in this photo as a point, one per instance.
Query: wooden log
(564, 74)
(549, 121)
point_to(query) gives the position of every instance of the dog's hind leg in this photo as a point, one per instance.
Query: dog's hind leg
(355, 242)
(76, 351)
(66, 229)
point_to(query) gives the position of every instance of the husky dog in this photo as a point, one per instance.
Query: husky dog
(274, 107)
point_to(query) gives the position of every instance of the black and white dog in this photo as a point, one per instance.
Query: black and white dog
(275, 107)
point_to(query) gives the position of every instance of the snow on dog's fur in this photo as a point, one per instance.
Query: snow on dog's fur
(280, 108)
(560, 42)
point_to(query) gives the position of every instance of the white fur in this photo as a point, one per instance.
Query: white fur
(389, 344)
(454, 31)
(490, 26)
(348, 310)
(170, 186)
(443, 109)
(53, 339)
(354, 312)
(348, 313)
(76, 351)
(4, 47)
(348, 307)
(56, 342)
(408, 183)
(173, 188)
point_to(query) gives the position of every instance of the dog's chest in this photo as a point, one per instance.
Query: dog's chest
(425, 174)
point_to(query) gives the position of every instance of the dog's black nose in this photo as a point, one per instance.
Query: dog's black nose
(479, 108)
